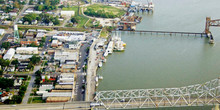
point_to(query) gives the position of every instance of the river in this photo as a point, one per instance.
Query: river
(159, 61)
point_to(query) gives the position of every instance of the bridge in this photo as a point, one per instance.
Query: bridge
(194, 95)
(168, 33)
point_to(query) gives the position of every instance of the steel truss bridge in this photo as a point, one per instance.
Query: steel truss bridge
(193, 95)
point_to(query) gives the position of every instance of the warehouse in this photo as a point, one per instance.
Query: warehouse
(27, 50)
(10, 53)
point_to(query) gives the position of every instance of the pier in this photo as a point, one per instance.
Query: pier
(169, 33)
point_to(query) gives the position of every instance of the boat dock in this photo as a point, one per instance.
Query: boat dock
(169, 33)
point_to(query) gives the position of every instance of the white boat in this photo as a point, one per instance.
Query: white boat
(100, 64)
(100, 77)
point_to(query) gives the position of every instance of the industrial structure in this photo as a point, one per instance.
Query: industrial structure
(16, 34)
(194, 95)
(209, 22)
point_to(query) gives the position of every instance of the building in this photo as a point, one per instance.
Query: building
(67, 13)
(54, 43)
(33, 22)
(29, 35)
(26, 41)
(2, 31)
(64, 56)
(20, 57)
(69, 36)
(2, 51)
(66, 79)
(74, 45)
(10, 53)
(27, 50)
(57, 94)
(40, 35)
(18, 82)
(5, 95)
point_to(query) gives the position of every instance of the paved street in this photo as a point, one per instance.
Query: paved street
(80, 76)
(29, 88)
(4, 38)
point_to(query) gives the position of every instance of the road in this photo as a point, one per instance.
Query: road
(80, 76)
(22, 11)
(48, 106)
(5, 38)
(29, 88)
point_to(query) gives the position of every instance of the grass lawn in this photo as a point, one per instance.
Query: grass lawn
(78, 14)
(35, 100)
(106, 8)
(104, 33)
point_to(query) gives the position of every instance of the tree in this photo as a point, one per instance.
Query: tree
(40, 7)
(16, 4)
(15, 62)
(47, 2)
(4, 63)
(5, 83)
(35, 59)
(7, 89)
(1, 72)
(6, 45)
(74, 20)
(30, 66)
(17, 99)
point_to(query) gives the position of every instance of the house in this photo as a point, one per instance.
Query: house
(26, 41)
(11, 69)
(50, 23)
(10, 53)
(27, 50)
(2, 31)
(29, 35)
(34, 22)
(10, 39)
(39, 36)
(18, 82)
(5, 95)
(7, 22)
(12, 14)
(8, 76)
(26, 23)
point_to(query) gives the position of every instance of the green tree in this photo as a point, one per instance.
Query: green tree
(7, 89)
(40, 7)
(5, 83)
(47, 2)
(1, 72)
(6, 45)
(15, 62)
(35, 59)
(17, 99)
(16, 4)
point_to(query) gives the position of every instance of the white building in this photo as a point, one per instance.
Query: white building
(66, 78)
(27, 50)
(10, 53)
(22, 57)
(2, 31)
(67, 13)
(57, 94)
(64, 56)
(74, 45)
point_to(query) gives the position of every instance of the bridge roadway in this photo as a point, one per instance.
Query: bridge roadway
(48, 106)
(194, 95)
(168, 33)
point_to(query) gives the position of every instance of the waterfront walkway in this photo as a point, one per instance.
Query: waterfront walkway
(91, 72)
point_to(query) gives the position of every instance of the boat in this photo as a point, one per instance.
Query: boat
(119, 46)
(100, 64)
(100, 77)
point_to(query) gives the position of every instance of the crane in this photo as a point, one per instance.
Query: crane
(214, 23)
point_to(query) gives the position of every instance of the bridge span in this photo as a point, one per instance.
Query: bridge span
(194, 95)
(168, 33)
